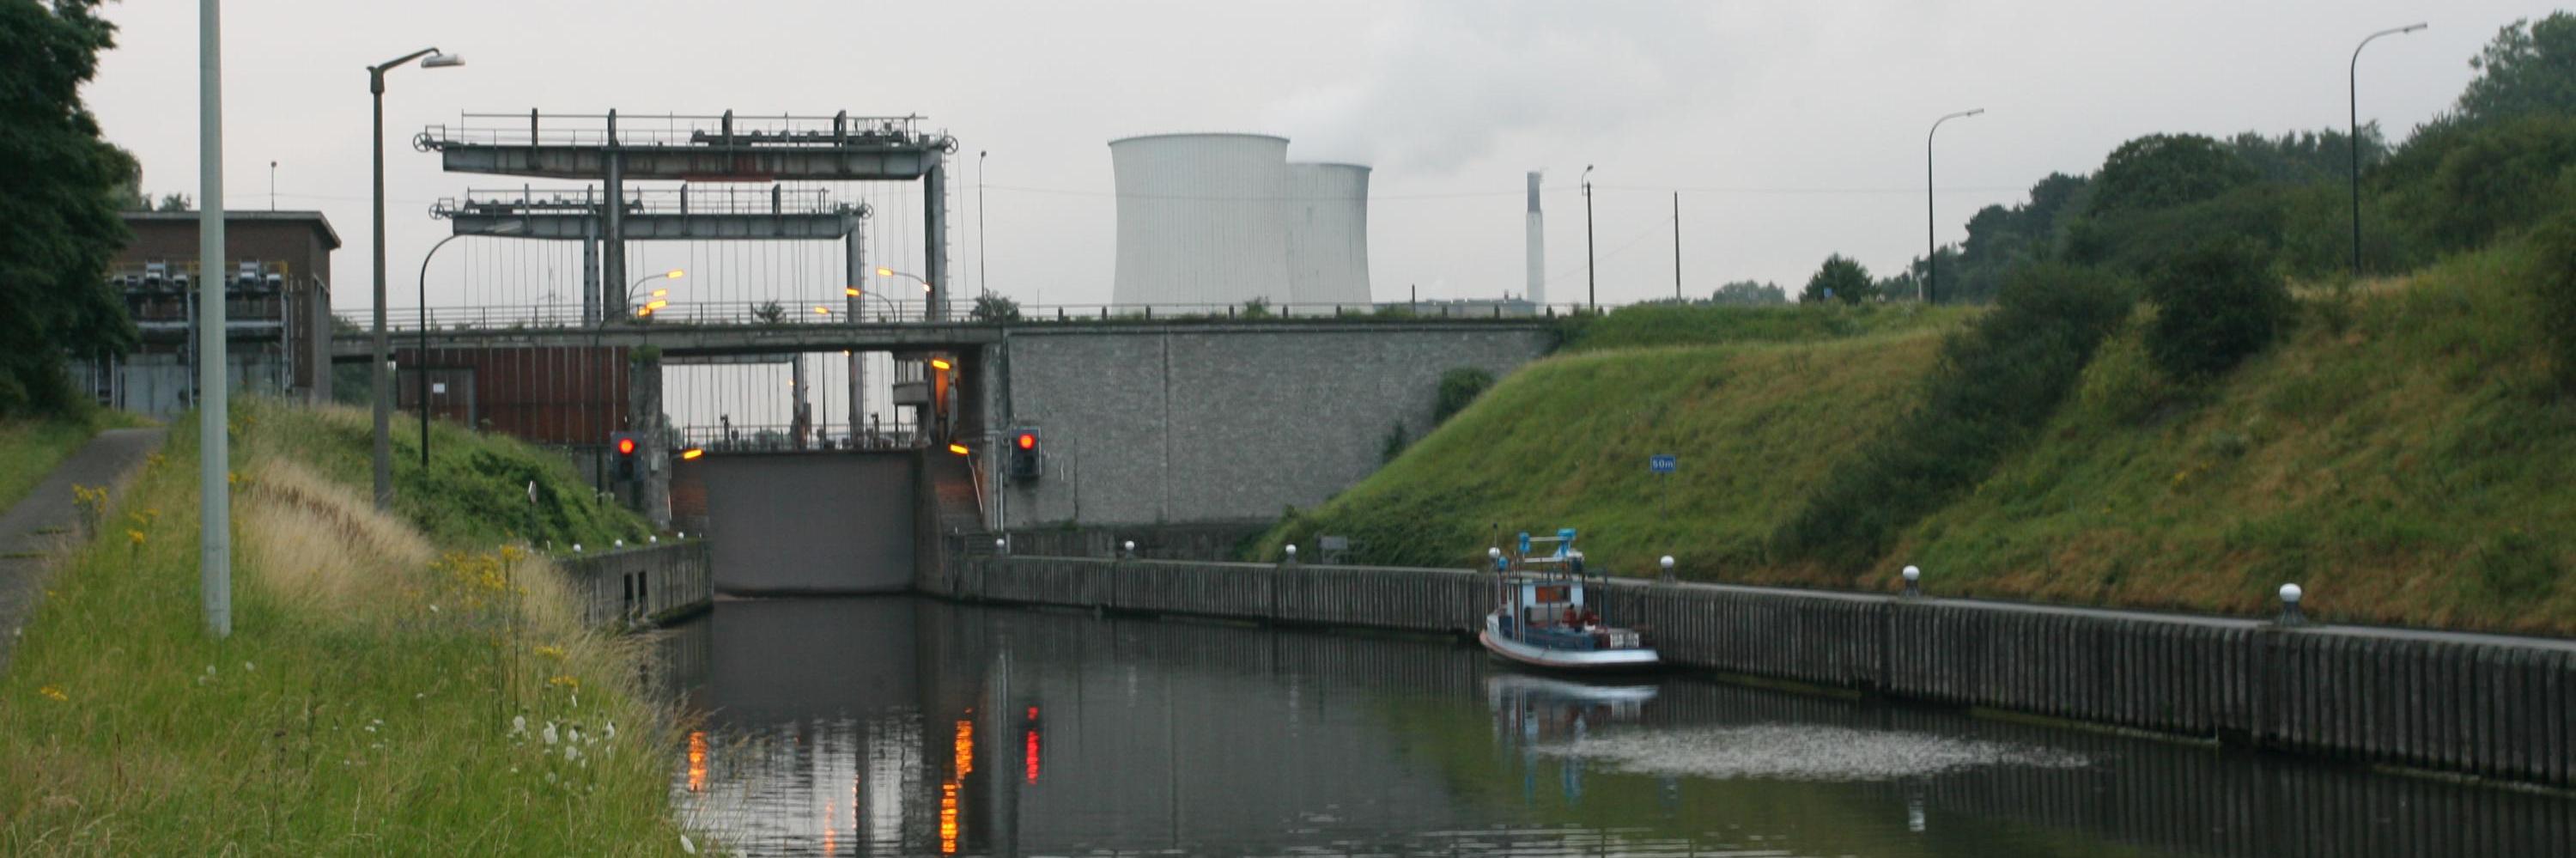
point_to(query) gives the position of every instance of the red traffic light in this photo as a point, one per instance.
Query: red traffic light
(1028, 440)
(625, 446)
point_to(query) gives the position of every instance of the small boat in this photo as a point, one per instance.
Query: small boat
(1541, 617)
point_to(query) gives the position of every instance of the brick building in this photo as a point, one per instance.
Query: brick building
(277, 293)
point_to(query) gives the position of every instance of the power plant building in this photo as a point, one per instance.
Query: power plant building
(1215, 220)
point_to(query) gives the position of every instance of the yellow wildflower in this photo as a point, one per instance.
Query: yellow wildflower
(135, 536)
(561, 681)
(553, 652)
(55, 693)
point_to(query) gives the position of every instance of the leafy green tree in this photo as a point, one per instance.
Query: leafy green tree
(2165, 170)
(2528, 69)
(60, 187)
(1749, 293)
(1840, 279)
(2308, 157)
(990, 307)
(2216, 305)
(2554, 248)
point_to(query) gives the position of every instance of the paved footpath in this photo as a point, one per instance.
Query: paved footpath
(41, 527)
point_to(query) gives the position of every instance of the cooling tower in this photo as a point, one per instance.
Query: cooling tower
(1327, 217)
(1199, 218)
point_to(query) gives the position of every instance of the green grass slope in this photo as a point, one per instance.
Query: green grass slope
(2404, 456)
(1564, 442)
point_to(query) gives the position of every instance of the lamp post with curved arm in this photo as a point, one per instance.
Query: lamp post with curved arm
(673, 274)
(926, 291)
(421, 353)
(2354, 141)
(384, 453)
(1927, 293)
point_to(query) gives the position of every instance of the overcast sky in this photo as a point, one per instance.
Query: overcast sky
(1792, 130)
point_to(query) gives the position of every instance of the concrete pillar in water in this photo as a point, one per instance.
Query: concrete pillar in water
(653, 485)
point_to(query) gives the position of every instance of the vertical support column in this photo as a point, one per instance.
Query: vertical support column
(612, 287)
(934, 213)
(590, 290)
(855, 255)
(800, 413)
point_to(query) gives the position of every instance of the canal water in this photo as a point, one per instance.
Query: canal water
(906, 726)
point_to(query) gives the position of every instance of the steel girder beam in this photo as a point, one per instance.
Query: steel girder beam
(692, 163)
(660, 227)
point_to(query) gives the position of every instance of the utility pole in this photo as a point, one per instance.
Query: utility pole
(983, 260)
(214, 411)
(1591, 281)
(1677, 245)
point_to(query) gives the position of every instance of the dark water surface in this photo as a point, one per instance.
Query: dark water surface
(903, 726)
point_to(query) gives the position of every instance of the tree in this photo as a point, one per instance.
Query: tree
(61, 185)
(2216, 305)
(2165, 170)
(1749, 293)
(990, 307)
(1840, 279)
(770, 313)
(2529, 68)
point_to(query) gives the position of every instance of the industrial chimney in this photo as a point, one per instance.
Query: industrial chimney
(1537, 241)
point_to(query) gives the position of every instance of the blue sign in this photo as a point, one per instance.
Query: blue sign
(1664, 464)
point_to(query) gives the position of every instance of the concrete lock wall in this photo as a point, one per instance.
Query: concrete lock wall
(645, 583)
(2487, 705)
(836, 522)
(1227, 423)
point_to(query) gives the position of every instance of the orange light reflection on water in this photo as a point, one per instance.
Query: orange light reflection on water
(697, 760)
(965, 746)
(948, 818)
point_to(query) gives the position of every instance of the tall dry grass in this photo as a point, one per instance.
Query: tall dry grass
(379, 695)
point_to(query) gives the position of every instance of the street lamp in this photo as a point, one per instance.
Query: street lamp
(2354, 141)
(421, 353)
(858, 297)
(1927, 292)
(384, 455)
(1591, 284)
(673, 274)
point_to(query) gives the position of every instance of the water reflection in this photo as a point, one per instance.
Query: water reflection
(895, 726)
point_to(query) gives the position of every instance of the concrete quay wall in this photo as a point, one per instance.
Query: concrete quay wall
(2487, 705)
(644, 583)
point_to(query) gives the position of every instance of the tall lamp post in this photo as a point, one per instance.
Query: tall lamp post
(2354, 142)
(421, 353)
(384, 343)
(214, 483)
(983, 261)
(1927, 292)
(1591, 283)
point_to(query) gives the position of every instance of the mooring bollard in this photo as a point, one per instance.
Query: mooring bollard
(1667, 565)
(2291, 615)
(1913, 582)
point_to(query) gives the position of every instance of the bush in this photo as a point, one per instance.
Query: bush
(2215, 306)
(1997, 382)
(2554, 283)
(1459, 389)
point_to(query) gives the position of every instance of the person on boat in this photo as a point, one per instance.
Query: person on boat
(1571, 616)
(1590, 620)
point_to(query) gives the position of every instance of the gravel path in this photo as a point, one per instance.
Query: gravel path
(42, 527)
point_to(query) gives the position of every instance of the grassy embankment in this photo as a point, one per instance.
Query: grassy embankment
(1757, 403)
(364, 702)
(2402, 454)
